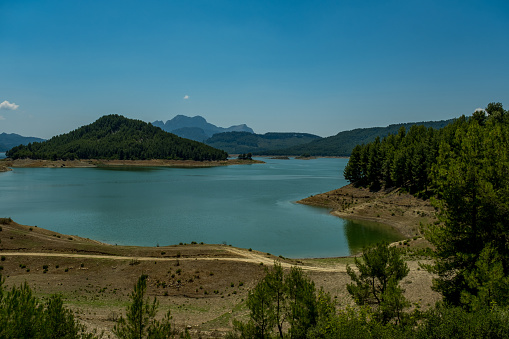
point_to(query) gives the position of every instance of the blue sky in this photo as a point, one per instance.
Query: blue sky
(307, 66)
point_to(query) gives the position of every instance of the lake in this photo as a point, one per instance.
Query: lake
(249, 206)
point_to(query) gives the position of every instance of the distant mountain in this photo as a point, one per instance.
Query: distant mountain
(342, 143)
(193, 133)
(196, 127)
(116, 137)
(244, 142)
(8, 141)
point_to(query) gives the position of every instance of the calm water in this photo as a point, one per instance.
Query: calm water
(250, 206)
(2, 155)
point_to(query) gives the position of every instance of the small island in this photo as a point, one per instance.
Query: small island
(114, 140)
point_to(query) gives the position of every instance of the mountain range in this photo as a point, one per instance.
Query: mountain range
(8, 141)
(343, 143)
(244, 142)
(241, 138)
(196, 128)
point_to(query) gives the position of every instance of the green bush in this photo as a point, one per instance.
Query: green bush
(22, 315)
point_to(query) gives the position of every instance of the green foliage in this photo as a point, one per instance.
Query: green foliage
(401, 160)
(278, 301)
(244, 156)
(22, 315)
(376, 283)
(455, 322)
(116, 137)
(140, 319)
(472, 196)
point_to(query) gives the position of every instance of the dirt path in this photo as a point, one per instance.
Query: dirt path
(246, 257)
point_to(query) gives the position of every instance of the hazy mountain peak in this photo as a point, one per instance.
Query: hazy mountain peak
(182, 125)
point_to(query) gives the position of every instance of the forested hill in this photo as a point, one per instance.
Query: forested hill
(465, 167)
(343, 143)
(244, 142)
(117, 137)
(7, 141)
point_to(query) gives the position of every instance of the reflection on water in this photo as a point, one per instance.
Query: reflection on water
(364, 233)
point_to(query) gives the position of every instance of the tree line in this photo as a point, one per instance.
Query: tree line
(408, 159)
(118, 138)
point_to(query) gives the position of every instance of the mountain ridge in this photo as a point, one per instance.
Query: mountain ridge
(10, 140)
(343, 143)
(181, 125)
(244, 142)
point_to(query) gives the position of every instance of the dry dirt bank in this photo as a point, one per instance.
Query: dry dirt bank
(205, 286)
(401, 211)
(127, 163)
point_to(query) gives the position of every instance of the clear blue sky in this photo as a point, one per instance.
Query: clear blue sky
(307, 66)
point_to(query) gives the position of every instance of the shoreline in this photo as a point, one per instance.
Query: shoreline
(400, 211)
(93, 163)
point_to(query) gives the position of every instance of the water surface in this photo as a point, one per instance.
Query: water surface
(250, 206)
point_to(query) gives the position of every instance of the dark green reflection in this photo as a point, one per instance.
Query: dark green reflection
(360, 234)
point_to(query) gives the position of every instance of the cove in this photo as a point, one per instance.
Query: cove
(249, 206)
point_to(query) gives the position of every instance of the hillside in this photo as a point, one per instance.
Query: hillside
(244, 142)
(8, 141)
(343, 143)
(116, 137)
(205, 286)
(196, 128)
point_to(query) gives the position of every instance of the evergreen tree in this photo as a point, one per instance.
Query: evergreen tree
(470, 176)
(140, 319)
(376, 283)
(277, 301)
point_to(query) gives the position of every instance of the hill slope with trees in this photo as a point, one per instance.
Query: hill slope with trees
(116, 137)
(343, 143)
(244, 142)
(464, 168)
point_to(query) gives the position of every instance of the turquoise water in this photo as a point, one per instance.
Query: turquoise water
(250, 206)
(2, 155)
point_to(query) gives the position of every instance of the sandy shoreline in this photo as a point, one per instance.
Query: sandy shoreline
(30, 163)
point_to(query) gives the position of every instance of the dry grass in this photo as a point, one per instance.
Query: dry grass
(194, 281)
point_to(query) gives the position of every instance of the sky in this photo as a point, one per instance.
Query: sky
(319, 67)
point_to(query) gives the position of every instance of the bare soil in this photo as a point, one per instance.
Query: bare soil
(395, 208)
(6, 163)
(205, 286)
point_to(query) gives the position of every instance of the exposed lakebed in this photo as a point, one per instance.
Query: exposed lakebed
(250, 206)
